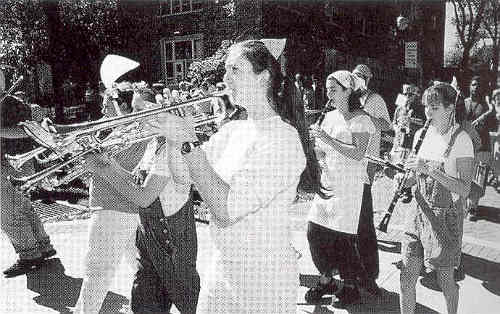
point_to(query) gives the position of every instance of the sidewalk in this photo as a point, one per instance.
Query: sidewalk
(55, 287)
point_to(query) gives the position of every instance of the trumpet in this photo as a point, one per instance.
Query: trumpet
(70, 144)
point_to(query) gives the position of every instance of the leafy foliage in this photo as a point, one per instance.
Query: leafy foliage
(23, 34)
(213, 65)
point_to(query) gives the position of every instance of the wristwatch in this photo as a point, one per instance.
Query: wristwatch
(188, 147)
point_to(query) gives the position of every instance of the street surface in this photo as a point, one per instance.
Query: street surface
(55, 287)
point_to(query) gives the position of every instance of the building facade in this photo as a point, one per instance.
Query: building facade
(322, 36)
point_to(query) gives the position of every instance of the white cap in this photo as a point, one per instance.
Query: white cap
(345, 78)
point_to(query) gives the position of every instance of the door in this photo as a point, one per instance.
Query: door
(179, 72)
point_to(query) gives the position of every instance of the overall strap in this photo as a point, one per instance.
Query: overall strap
(452, 142)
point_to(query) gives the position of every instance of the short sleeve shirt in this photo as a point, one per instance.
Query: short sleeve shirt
(343, 176)
(434, 146)
(375, 106)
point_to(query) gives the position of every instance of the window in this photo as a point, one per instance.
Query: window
(178, 53)
(170, 7)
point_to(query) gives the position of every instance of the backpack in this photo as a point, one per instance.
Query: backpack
(478, 183)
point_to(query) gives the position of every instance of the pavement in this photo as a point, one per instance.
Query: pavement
(54, 288)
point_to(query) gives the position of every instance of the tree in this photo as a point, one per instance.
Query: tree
(490, 28)
(468, 17)
(23, 34)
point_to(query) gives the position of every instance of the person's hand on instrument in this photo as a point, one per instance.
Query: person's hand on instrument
(316, 131)
(47, 125)
(174, 128)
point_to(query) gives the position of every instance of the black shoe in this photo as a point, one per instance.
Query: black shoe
(23, 266)
(49, 253)
(348, 296)
(473, 215)
(459, 273)
(315, 294)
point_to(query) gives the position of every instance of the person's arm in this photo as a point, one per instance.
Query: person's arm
(356, 150)
(460, 185)
(124, 182)
(376, 107)
(211, 187)
(360, 128)
(464, 162)
(272, 167)
(485, 115)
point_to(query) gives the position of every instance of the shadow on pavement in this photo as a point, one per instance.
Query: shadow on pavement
(486, 271)
(386, 302)
(60, 292)
(56, 290)
(491, 214)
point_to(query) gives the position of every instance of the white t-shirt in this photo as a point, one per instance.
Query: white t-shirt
(375, 106)
(434, 146)
(174, 195)
(343, 176)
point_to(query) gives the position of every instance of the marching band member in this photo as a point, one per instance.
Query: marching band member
(111, 230)
(166, 236)
(443, 172)
(333, 223)
(247, 173)
(373, 104)
(18, 219)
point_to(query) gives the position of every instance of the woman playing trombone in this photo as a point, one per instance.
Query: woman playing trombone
(443, 169)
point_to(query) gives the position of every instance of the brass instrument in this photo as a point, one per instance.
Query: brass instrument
(65, 146)
(71, 143)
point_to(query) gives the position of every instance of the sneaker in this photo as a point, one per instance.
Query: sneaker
(459, 273)
(23, 266)
(315, 294)
(49, 253)
(348, 296)
(473, 215)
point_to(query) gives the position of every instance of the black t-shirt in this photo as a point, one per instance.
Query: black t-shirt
(14, 111)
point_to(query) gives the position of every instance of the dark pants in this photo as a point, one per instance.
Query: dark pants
(367, 237)
(333, 250)
(166, 272)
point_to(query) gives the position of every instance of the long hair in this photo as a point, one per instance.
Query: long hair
(281, 92)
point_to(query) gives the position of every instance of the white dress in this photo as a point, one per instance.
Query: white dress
(254, 269)
(342, 175)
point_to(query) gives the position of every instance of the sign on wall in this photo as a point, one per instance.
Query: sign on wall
(411, 54)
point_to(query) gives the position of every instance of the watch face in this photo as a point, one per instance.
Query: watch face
(186, 147)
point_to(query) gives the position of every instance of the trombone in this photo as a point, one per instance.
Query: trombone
(71, 143)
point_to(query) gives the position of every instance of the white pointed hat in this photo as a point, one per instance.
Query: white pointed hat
(114, 66)
(275, 46)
